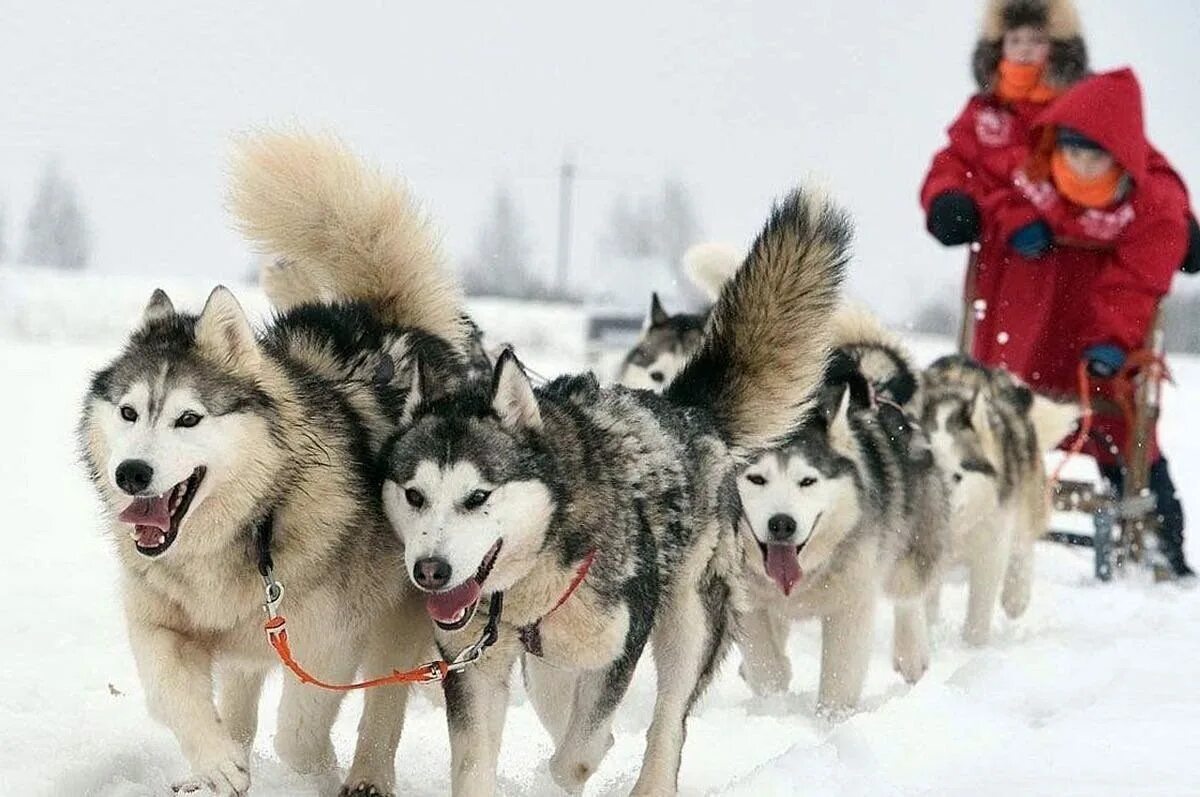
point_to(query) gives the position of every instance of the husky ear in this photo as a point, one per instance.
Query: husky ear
(841, 436)
(513, 400)
(416, 392)
(223, 332)
(158, 308)
(981, 420)
(658, 316)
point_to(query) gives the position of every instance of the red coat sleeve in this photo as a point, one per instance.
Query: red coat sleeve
(1127, 291)
(1005, 211)
(952, 167)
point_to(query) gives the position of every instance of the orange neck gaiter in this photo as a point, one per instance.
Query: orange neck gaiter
(1016, 82)
(1098, 192)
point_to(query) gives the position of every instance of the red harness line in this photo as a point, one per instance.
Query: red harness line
(429, 672)
(1124, 397)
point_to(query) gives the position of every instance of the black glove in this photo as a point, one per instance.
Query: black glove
(1191, 260)
(953, 218)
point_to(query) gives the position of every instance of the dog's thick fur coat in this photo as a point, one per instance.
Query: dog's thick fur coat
(290, 422)
(511, 489)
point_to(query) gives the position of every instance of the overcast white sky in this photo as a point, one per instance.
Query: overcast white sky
(741, 100)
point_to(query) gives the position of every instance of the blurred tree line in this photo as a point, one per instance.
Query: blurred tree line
(56, 232)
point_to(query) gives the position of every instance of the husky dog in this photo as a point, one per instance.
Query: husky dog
(668, 341)
(989, 433)
(606, 517)
(851, 506)
(201, 431)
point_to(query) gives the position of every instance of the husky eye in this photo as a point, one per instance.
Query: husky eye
(476, 499)
(754, 478)
(414, 497)
(187, 420)
(128, 413)
(808, 481)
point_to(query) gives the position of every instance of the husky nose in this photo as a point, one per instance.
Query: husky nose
(134, 476)
(781, 527)
(657, 376)
(432, 572)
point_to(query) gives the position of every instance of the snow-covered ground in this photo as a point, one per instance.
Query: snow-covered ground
(1094, 691)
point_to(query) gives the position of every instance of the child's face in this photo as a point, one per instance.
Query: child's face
(1026, 45)
(1086, 162)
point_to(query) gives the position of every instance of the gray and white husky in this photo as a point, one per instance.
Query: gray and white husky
(668, 340)
(606, 517)
(989, 434)
(850, 508)
(203, 433)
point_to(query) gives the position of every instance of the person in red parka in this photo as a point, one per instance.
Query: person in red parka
(1075, 255)
(1028, 52)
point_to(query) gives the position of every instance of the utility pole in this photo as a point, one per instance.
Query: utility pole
(566, 178)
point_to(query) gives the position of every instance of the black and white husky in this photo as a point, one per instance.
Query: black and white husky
(669, 340)
(989, 434)
(201, 430)
(606, 517)
(851, 508)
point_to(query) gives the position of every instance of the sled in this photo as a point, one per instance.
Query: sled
(1125, 522)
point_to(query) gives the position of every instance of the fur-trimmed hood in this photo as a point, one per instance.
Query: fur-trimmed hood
(1068, 61)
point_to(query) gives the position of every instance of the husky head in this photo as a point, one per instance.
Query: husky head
(963, 439)
(666, 344)
(178, 420)
(800, 501)
(468, 490)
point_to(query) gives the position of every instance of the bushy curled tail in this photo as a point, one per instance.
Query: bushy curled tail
(710, 265)
(338, 229)
(768, 336)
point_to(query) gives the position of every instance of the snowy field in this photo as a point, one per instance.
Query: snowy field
(1094, 691)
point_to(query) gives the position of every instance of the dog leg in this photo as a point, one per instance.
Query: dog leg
(845, 654)
(306, 714)
(933, 603)
(762, 641)
(988, 549)
(551, 690)
(238, 691)
(690, 638)
(588, 734)
(910, 640)
(176, 675)
(402, 637)
(476, 704)
(1018, 579)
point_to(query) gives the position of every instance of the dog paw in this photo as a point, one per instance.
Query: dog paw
(766, 681)
(911, 666)
(976, 635)
(222, 767)
(571, 771)
(228, 778)
(1015, 600)
(364, 789)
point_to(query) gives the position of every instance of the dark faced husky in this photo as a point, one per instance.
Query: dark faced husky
(201, 431)
(606, 517)
(669, 340)
(989, 433)
(851, 507)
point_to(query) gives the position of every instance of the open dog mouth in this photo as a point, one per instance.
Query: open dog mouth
(781, 560)
(156, 519)
(454, 608)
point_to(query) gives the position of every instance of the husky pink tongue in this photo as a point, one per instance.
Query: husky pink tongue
(154, 512)
(445, 607)
(782, 566)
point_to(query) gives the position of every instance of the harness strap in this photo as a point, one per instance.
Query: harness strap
(277, 636)
(531, 635)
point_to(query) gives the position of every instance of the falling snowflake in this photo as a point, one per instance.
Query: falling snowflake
(1002, 338)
